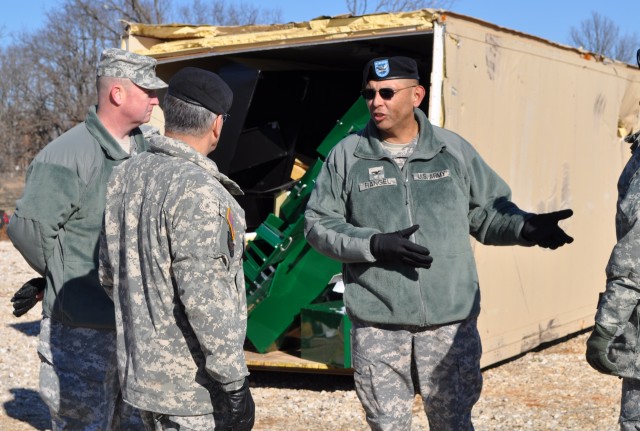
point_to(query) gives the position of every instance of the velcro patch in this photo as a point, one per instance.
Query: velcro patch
(430, 176)
(377, 183)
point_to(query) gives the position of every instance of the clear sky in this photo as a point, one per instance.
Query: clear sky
(544, 18)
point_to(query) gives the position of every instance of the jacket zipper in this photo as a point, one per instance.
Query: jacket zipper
(404, 173)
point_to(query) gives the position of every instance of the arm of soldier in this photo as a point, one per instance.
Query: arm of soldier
(617, 303)
(493, 218)
(326, 227)
(50, 197)
(214, 303)
(622, 292)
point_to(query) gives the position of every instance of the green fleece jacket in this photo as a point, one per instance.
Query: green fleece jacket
(446, 188)
(57, 222)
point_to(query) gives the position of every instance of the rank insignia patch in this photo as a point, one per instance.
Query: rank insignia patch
(377, 179)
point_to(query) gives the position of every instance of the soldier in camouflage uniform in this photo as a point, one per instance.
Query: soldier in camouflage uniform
(171, 258)
(612, 347)
(396, 203)
(56, 227)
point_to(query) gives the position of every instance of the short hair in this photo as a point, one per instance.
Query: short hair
(185, 118)
(104, 83)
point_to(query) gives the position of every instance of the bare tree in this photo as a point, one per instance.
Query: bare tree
(219, 12)
(48, 76)
(360, 7)
(108, 14)
(601, 36)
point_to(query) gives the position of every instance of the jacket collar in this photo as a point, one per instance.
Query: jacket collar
(370, 145)
(175, 148)
(108, 143)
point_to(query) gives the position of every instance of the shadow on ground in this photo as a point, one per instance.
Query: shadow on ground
(31, 329)
(305, 381)
(27, 406)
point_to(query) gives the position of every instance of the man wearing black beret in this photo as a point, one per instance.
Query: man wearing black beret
(171, 259)
(396, 203)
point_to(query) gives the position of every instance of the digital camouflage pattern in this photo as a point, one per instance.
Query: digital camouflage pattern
(160, 422)
(446, 373)
(629, 414)
(618, 308)
(79, 380)
(140, 69)
(171, 258)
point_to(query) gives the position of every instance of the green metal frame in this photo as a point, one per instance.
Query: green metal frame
(282, 272)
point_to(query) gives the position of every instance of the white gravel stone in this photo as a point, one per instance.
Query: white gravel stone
(551, 389)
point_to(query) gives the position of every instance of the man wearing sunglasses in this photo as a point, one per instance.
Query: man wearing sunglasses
(396, 203)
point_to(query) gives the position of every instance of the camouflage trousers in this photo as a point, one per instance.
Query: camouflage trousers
(160, 422)
(394, 363)
(630, 405)
(79, 379)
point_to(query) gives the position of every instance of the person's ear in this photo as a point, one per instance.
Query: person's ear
(117, 94)
(217, 126)
(418, 95)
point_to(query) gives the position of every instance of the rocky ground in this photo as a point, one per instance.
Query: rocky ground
(549, 389)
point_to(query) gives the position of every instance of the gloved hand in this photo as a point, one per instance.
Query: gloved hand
(395, 247)
(241, 411)
(598, 350)
(28, 295)
(543, 229)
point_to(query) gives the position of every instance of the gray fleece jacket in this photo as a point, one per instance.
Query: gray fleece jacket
(446, 188)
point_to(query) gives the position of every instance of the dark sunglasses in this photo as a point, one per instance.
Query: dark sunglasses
(225, 117)
(385, 93)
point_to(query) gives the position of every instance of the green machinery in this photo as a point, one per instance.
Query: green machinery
(284, 275)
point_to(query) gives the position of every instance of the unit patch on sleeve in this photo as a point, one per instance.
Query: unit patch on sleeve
(430, 176)
(231, 235)
(377, 179)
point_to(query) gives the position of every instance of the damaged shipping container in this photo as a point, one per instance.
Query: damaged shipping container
(548, 118)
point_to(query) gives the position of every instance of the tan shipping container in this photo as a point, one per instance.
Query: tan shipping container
(550, 119)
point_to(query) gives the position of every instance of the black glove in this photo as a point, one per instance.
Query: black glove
(241, 411)
(598, 350)
(27, 296)
(543, 229)
(395, 247)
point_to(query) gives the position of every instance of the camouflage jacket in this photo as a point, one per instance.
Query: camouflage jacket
(618, 309)
(57, 222)
(171, 259)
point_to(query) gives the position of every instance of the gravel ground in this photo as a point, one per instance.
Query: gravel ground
(549, 389)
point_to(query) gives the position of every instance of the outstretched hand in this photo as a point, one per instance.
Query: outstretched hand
(396, 247)
(543, 229)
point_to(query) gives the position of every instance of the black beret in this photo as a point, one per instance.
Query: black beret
(202, 88)
(383, 68)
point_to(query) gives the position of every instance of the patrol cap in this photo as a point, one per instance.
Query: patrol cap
(201, 88)
(384, 68)
(140, 69)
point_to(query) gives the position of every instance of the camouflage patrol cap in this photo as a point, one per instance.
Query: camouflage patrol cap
(140, 69)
